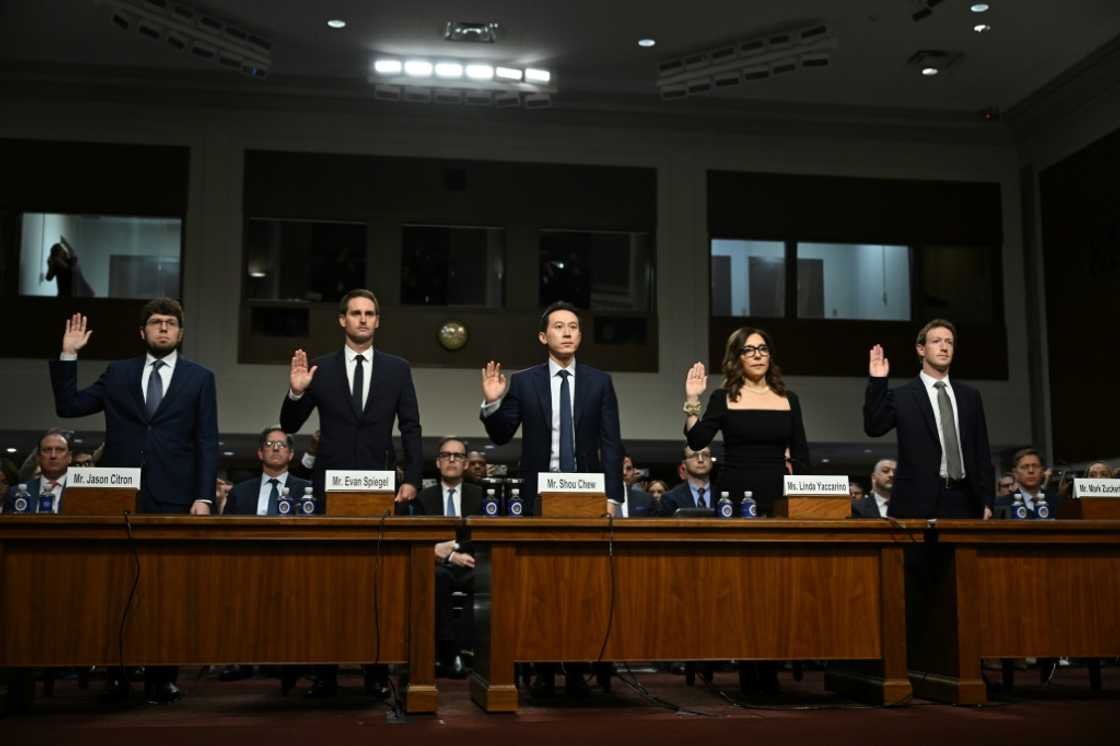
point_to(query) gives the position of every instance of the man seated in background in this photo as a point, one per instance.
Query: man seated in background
(80, 459)
(452, 496)
(1099, 470)
(855, 489)
(638, 502)
(52, 459)
(222, 488)
(696, 489)
(1026, 466)
(875, 504)
(261, 495)
(476, 467)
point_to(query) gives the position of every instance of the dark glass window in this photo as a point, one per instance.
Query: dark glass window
(445, 265)
(303, 259)
(598, 270)
(959, 282)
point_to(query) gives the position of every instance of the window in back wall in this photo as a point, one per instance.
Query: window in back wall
(306, 260)
(447, 265)
(596, 270)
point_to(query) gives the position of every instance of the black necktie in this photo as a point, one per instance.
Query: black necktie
(701, 501)
(567, 441)
(274, 497)
(359, 382)
(155, 388)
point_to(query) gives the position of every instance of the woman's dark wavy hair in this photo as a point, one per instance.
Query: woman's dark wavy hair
(733, 376)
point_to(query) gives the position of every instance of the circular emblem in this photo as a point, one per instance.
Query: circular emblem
(751, 510)
(20, 504)
(284, 506)
(1042, 511)
(453, 336)
(515, 508)
(725, 510)
(1021, 512)
(491, 508)
(307, 507)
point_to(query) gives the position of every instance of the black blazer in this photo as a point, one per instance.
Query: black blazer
(242, 499)
(916, 480)
(432, 501)
(640, 504)
(681, 497)
(866, 507)
(360, 440)
(176, 448)
(528, 404)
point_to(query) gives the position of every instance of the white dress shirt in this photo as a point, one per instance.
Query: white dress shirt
(882, 502)
(266, 491)
(351, 356)
(44, 487)
(456, 499)
(165, 372)
(929, 381)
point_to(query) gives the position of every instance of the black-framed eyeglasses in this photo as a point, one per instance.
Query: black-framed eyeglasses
(451, 456)
(752, 351)
(276, 444)
(169, 323)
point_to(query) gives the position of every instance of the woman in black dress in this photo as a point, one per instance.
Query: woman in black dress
(759, 417)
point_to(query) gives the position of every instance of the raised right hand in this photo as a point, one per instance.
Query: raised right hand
(76, 334)
(493, 382)
(696, 382)
(879, 366)
(300, 377)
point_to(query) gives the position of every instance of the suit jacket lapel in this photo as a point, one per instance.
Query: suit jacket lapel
(135, 382)
(582, 394)
(918, 388)
(544, 392)
(369, 372)
(177, 375)
(341, 380)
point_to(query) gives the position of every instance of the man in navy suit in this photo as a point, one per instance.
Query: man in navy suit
(261, 495)
(161, 415)
(359, 393)
(567, 411)
(53, 456)
(568, 415)
(944, 460)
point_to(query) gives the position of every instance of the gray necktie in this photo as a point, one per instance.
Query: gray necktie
(155, 388)
(949, 433)
(450, 503)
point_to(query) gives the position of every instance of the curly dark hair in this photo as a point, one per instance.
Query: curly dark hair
(733, 376)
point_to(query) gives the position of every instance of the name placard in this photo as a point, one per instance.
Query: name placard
(101, 476)
(552, 481)
(816, 485)
(360, 480)
(1096, 488)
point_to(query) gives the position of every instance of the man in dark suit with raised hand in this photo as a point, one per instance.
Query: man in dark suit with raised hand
(944, 460)
(568, 416)
(161, 415)
(359, 393)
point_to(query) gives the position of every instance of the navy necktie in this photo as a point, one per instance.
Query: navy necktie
(701, 500)
(274, 497)
(567, 439)
(359, 382)
(155, 388)
(450, 503)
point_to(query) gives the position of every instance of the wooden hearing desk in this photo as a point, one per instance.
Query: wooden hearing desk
(694, 589)
(222, 590)
(1011, 589)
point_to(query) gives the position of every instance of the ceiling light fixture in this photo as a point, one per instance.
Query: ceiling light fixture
(646, 42)
(9, 449)
(508, 73)
(929, 72)
(418, 68)
(536, 75)
(480, 72)
(387, 67)
(980, 7)
(982, 28)
(473, 83)
(451, 70)
(472, 31)
(336, 23)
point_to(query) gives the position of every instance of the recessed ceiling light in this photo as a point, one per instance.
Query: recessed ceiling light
(480, 72)
(823, 460)
(508, 73)
(388, 67)
(336, 23)
(929, 72)
(980, 7)
(418, 68)
(227, 453)
(449, 70)
(534, 75)
(646, 42)
(10, 449)
(981, 28)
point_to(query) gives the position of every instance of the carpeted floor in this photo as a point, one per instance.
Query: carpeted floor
(217, 713)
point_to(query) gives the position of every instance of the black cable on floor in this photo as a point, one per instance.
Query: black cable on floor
(131, 592)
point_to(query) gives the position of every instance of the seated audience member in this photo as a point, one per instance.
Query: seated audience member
(305, 464)
(260, 495)
(80, 459)
(1026, 465)
(696, 489)
(1099, 470)
(875, 504)
(451, 496)
(52, 459)
(855, 489)
(476, 467)
(638, 503)
(222, 487)
(657, 489)
(7, 479)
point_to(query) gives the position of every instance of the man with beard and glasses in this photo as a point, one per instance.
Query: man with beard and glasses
(161, 416)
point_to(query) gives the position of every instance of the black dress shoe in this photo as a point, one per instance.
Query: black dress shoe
(544, 687)
(575, 686)
(235, 673)
(322, 690)
(116, 690)
(162, 693)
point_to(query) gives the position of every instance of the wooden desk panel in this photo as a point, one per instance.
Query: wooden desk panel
(690, 590)
(221, 590)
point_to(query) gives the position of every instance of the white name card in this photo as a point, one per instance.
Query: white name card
(100, 476)
(1096, 488)
(829, 486)
(552, 481)
(360, 480)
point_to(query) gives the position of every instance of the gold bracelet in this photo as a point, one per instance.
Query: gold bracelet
(692, 409)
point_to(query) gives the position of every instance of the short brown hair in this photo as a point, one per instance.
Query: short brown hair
(163, 307)
(933, 324)
(344, 304)
(1022, 453)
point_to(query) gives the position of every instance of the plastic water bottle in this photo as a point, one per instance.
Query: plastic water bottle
(22, 501)
(491, 506)
(1019, 508)
(46, 502)
(748, 508)
(725, 508)
(515, 507)
(284, 504)
(307, 502)
(1042, 508)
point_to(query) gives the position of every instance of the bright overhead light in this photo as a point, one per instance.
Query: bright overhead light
(929, 72)
(388, 67)
(418, 68)
(449, 70)
(480, 72)
(646, 42)
(533, 75)
(9, 449)
(980, 7)
(981, 28)
(508, 73)
(228, 453)
(336, 23)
